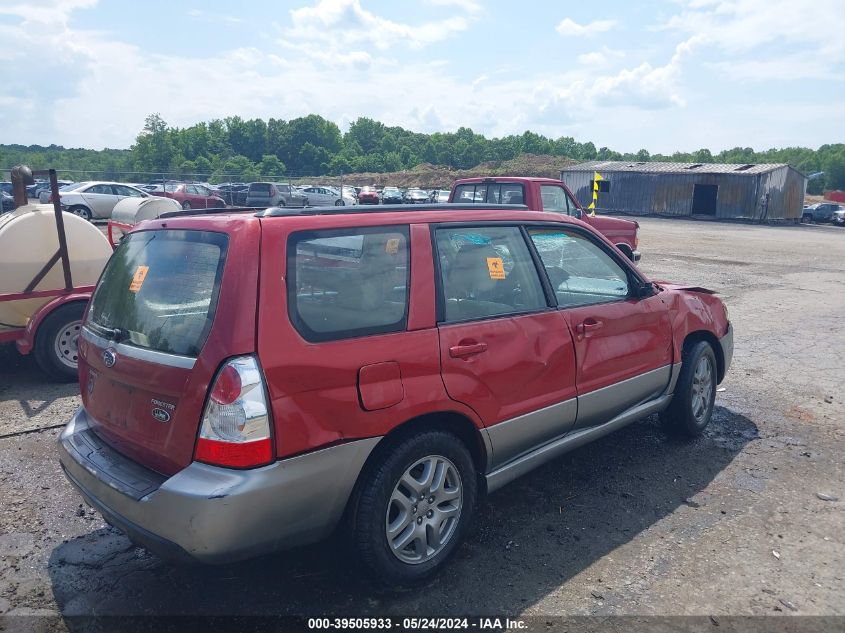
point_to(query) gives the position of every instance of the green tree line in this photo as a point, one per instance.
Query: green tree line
(251, 149)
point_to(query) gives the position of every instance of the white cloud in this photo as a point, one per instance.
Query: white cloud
(569, 27)
(600, 58)
(470, 6)
(214, 17)
(753, 35)
(341, 23)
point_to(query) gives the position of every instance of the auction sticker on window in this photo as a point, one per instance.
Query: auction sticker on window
(138, 278)
(496, 267)
(391, 247)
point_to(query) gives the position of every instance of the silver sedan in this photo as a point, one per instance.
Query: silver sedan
(325, 197)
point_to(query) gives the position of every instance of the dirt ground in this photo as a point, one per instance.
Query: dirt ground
(730, 524)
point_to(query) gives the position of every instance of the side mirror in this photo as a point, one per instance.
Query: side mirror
(576, 213)
(642, 289)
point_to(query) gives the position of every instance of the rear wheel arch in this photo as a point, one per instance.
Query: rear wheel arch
(448, 421)
(451, 422)
(703, 335)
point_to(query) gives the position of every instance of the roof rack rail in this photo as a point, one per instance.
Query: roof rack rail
(189, 212)
(276, 212)
(386, 208)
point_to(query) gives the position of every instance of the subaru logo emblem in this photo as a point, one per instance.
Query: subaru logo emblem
(161, 415)
(109, 358)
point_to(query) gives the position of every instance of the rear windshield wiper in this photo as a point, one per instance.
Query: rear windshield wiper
(116, 334)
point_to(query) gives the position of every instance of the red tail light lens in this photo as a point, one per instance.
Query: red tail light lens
(228, 385)
(235, 429)
(243, 455)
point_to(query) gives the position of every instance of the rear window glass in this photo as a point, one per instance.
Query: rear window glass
(490, 193)
(259, 189)
(159, 290)
(348, 283)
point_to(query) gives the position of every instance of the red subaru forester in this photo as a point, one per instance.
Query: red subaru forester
(251, 380)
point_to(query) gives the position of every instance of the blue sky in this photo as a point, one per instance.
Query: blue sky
(665, 76)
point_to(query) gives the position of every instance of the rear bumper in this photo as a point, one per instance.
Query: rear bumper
(211, 514)
(727, 345)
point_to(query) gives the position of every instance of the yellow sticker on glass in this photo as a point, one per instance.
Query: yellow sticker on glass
(495, 267)
(138, 278)
(391, 247)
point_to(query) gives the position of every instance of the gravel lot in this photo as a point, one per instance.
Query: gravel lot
(730, 524)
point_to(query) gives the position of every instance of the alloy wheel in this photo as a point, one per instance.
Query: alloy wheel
(702, 389)
(424, 509)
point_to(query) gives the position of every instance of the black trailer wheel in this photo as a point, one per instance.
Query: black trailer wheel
(56, 349)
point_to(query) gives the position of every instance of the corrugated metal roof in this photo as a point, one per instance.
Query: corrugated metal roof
(676, 168)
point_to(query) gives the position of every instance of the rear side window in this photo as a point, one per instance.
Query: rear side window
(348, 283)
(486, 272)
(159, 290)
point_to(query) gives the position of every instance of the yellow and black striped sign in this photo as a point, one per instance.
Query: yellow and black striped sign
(596, 178)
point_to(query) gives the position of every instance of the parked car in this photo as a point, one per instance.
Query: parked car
(233, 194)
(440, 196)
(7, 202)
(190, 196)
(300, 373)
(272, 194)
(45, 196)
(391, 195)
(325, 197)
(819, 212)
(546, 194)
(415, 196)
(368, 195)
(350, 192)
(34, 191)
(95, 200)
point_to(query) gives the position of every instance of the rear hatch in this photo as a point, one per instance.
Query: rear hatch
(260, 191)
(160, 322)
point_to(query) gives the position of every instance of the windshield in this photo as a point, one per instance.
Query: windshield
(159, 290)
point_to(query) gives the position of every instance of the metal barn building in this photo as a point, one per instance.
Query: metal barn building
(750, 192)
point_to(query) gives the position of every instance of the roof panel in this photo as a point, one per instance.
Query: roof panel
(676, 168)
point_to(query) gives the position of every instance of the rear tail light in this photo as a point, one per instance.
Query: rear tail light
(235, 430)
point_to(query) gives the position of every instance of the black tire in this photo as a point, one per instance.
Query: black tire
(186, 205)
(82, 212)
(806, 219)
(679, 418)
(339, 203)
(63, 323)
(370, 506)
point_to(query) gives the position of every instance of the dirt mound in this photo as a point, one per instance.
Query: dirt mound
(428, 176)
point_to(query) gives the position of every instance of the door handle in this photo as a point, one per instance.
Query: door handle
(462, 350)
(588, 326)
